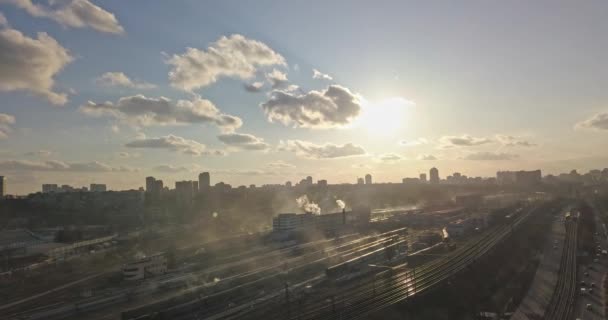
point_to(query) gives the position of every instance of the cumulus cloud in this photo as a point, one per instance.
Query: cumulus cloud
(6, 121)
(334, 107)
(233, 56)
(243, 141)
(170, 142)
(119, 79)
(55, 165)
(277, 79)
(511, 141)
(325, 151)
(490, 156)
(73, 13)
(462, 141)
(427, 157)
(316, 74)
(598, 122)
(254, 86)
(143, 111)
(280, 164)
(170, 168)
(413, 143)
(3, 21)
(31, 64)
(390, 157)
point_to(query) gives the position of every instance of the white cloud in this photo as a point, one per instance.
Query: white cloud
(236, 172)
(234, 56)
(511, 141)
(598, 122)
(462, 141)
(3, 21)
(334, 107)
(254, 86)
(413, 143)
(427, 157)
(490, 156)
(243, 141)
(6, 121)
(280, 164)
(55, 165)
(316, 74)
(277, 79)
(170, 142)
(325, 151)
(170, 168)
(31, 64)
(39, 153)
(390, 157)
(119, 79)
(73, 13)
(142, 111)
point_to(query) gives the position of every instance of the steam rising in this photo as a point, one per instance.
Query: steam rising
(308, 205)
(341, 204)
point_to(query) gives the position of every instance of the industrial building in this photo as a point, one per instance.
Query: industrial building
(287, 222)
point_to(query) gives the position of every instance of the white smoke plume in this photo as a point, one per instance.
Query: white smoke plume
(341, 204)
(307, 205)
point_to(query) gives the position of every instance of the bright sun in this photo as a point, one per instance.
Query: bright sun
(384, 117)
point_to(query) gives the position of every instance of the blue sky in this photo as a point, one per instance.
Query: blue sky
(475, 85)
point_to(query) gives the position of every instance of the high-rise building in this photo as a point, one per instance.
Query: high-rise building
(50, 187)
(360, 181)
(519, 177)
(204, 181)
(322, 183)
(2, 187)
(434, 176)
(183, 192)
(423, 177)
(150, 184)
(309, 180)
(368, 179)
(158, 187)
(288, 184)
(195, 187)
(96, 187)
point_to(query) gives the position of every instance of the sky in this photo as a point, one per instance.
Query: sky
(257, 92)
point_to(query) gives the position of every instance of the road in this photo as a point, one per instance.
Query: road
(596, 274)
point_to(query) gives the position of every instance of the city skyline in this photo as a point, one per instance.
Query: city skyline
(257, 93)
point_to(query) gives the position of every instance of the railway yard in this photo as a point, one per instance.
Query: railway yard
(355, 274)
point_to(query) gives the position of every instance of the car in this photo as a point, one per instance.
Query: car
(592, 284)
(586, 274)
(590, 291)
(588, 306)
(583, 291)
(583, 283)
(596, 260)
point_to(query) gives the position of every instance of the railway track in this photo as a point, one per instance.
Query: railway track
(561, 305)
(253, 280)
(367, 298)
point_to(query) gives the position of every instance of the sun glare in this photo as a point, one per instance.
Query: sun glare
(384, 117)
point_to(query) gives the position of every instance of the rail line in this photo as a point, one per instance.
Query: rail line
(561, 305)
(392, 288)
